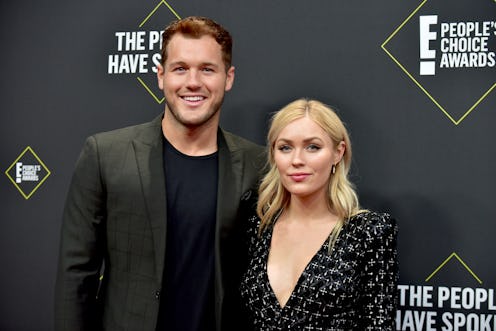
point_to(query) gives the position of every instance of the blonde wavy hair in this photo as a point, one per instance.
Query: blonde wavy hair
(342, 198)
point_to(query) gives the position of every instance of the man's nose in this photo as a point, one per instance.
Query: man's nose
(194, 80)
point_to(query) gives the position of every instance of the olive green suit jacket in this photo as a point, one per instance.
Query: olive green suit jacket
(114, 224)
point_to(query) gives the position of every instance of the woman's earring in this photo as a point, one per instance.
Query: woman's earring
(333, 169)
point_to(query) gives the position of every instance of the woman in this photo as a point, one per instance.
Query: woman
(318, 262)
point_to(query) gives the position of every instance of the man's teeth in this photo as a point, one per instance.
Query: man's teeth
(196, 98)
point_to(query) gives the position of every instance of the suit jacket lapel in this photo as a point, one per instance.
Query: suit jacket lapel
(229, 186)
(149, 157)
(228, 193)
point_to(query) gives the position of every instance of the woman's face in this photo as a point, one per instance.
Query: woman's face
(304, 154)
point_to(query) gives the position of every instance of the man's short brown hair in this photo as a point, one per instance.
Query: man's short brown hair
(197, 27)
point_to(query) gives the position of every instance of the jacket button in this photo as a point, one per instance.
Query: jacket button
(157, 295)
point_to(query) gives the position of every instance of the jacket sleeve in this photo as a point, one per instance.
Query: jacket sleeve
(380, 276)
(82, 246)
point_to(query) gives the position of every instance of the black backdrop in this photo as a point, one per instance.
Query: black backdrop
(423, 145)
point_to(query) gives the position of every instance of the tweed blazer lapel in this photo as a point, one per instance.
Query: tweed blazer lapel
(229, 186)
(149, 157)
(228, 193)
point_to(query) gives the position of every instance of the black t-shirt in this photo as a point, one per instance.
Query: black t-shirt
(187, 301)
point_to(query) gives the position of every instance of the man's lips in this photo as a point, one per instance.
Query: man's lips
(193, 98)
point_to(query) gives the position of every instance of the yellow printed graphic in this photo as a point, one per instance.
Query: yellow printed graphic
(163, 2)
(454, 255)
(443, 109)
(27, 195)
(142, 82)
(159, 101)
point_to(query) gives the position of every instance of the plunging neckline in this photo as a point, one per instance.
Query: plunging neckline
(297, 285)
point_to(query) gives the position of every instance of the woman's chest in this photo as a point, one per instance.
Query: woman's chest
(328, 284)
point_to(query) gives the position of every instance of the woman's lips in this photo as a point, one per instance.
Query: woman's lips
(299, 177)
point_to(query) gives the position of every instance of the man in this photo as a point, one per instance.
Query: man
(152, 236)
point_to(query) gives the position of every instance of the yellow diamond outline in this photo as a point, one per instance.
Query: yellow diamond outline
(456, 122)
(140, 80)
(454, 255)
(39, 184)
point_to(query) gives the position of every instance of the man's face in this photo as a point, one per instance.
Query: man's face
(194, 80)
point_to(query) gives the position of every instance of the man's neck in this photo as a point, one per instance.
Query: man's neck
(193, 141)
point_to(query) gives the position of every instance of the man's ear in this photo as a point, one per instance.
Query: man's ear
(160, 76)
(229, 78)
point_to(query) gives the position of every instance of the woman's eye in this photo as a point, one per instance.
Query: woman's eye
(313, 147)
(284, 148)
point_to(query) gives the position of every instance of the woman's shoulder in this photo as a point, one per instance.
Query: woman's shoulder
(254, 222)
(373, 223)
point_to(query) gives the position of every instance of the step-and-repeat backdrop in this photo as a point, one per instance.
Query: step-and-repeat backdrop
(414, 81)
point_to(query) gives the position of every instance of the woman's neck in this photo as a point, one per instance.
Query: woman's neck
(308, 210)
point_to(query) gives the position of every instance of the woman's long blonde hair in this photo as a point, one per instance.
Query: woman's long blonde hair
(342, 198)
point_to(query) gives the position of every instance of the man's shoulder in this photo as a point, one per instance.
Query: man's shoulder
(142, 130)
(238, 143)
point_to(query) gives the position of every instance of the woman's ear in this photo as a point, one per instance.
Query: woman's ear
(340, 149)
